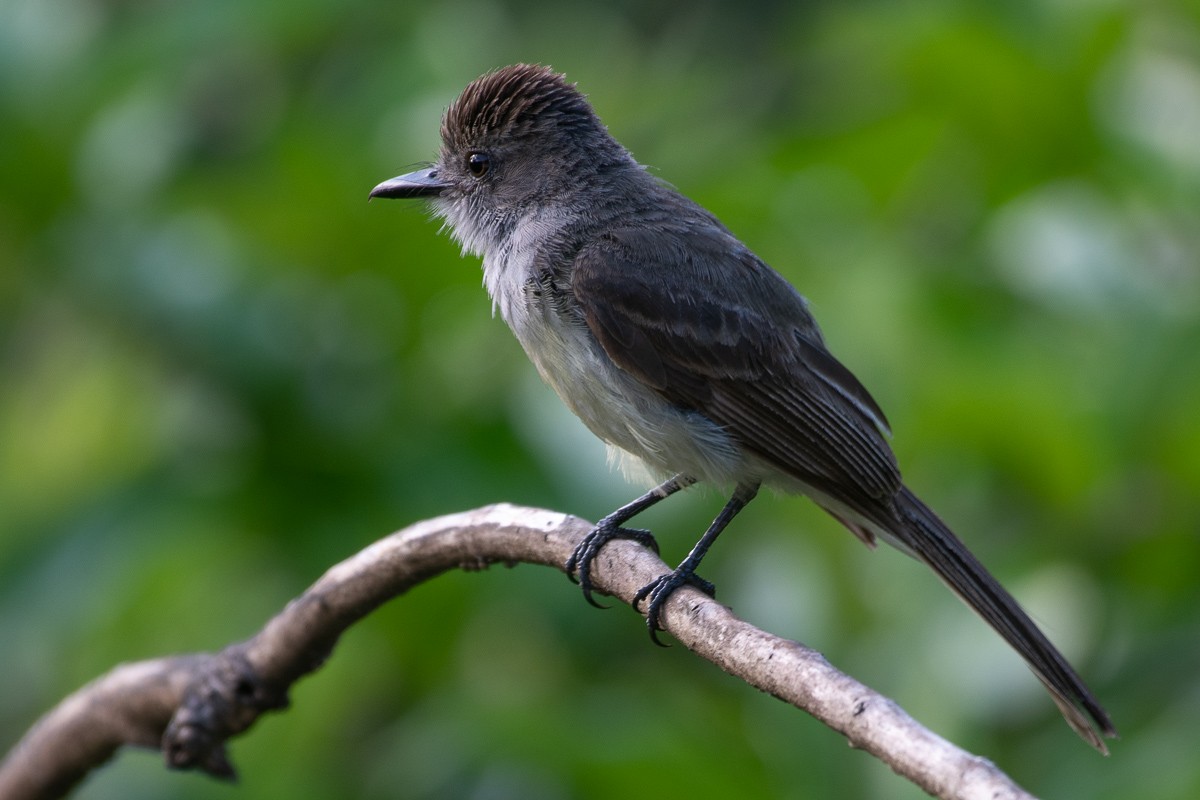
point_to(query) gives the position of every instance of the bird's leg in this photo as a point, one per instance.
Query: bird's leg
(610, 528)
(658, 590)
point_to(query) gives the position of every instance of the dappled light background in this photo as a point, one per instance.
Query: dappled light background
(222, 370)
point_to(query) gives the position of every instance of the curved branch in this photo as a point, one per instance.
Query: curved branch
(189, 706)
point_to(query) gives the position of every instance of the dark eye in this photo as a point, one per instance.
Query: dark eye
(478, 164)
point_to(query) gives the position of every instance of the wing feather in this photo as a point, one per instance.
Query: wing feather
(739, 346)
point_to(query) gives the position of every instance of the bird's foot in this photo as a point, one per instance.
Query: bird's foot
(581, 559)
(658, 590)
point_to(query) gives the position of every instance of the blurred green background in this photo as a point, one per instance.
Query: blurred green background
(221, 371)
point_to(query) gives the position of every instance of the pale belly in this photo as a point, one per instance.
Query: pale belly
(621, 410)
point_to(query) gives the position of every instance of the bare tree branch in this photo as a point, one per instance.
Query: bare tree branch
(189, 706)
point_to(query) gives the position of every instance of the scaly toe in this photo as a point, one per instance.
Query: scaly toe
(579, 565)
(659, 590)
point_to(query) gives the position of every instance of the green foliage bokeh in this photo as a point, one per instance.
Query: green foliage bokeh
(221, 371)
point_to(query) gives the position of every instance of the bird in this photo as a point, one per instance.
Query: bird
(680, 348)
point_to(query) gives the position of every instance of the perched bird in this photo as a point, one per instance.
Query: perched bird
(677, 345)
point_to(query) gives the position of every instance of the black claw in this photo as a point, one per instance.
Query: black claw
(581, 558)
(660, 589)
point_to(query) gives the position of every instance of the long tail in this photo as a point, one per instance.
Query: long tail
(934, 543)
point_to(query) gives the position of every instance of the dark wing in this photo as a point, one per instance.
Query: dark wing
(698, 317)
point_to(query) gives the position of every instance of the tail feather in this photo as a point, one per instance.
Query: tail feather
(926, 536)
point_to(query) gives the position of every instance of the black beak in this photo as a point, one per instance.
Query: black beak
(422, 183)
